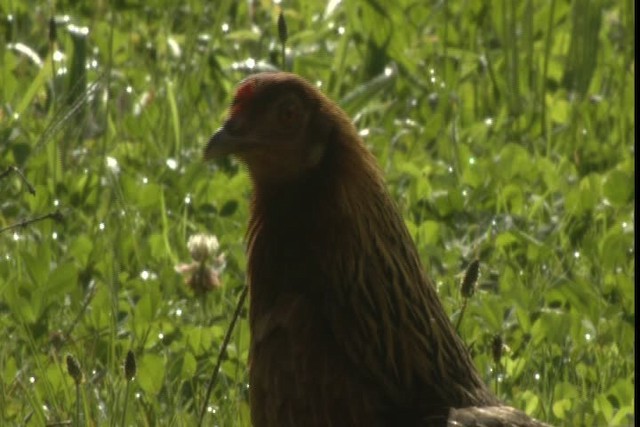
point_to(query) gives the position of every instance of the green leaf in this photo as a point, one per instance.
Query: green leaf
(532, 402)
(559, 109)
(601, 405)
(586, 196)
(189, 366)
(148, 195)
(622, 391)
(550, 327)
(616, 249)
(151, 370)
(618, 188)
(505, 239)
(80, 249)
(144, 309)
(624, 416)
(428, 233)
(561, 407)
(38, 267)
(355, 100)
(63, 279)
(566, 389)
(515, 367)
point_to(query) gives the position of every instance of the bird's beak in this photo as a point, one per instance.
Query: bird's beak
(220, 144)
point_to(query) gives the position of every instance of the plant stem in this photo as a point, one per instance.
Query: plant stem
(225, 343)
(126, 401)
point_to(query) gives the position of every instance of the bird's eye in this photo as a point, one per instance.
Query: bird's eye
(288, 113)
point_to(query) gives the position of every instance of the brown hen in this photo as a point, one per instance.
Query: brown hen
(346, 328)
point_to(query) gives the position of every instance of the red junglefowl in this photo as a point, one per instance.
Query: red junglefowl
(346, 328)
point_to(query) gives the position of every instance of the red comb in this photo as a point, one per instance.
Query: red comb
(243, 95)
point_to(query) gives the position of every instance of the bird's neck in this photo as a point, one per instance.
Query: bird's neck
(336, 187)
(295, 224)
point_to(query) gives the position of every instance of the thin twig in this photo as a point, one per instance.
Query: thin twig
(24, 180)
(56, 215)
(85, 304)
(223, 349)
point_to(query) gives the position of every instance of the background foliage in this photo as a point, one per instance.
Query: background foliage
(505, 129)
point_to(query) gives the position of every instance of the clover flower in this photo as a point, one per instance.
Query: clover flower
(202, 275)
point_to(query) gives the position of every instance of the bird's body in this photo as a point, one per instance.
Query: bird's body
(346, 329)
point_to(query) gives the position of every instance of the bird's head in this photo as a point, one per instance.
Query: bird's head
(280, 126)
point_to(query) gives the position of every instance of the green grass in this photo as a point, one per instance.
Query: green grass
(505, 130)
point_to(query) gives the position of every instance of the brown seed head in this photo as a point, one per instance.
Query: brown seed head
(73, 367)
(52, 30)
(130, 366)
(496, 348)
(282, 28)
(468, 285)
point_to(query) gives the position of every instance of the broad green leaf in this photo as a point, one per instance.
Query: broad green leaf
(151, 370)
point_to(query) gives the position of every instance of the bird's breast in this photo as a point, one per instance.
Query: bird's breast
(298, 375)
